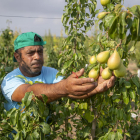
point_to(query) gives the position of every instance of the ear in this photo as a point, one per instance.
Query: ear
(17, 56)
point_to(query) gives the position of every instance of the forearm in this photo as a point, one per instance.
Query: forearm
(52, 91)
(72, 86)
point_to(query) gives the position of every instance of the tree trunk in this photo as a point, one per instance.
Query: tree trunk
(93, 129)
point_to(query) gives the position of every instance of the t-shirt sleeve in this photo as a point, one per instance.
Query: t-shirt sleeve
(50, 74)
(9, 85)
(58, 79)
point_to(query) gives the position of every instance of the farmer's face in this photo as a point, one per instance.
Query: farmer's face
(31, 60)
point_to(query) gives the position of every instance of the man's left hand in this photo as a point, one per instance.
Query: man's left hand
(103, 85)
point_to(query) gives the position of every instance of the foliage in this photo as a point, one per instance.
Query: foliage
(28, 122)
(103, 116)
(109, 113)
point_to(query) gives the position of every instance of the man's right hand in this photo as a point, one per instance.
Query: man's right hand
(79, 86)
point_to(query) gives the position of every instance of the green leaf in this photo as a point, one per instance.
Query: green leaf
(66, 20)
(128, 134)
(66, 30)
(111, 136)
(121, 80)
(35, 134)
(99, 37)
(22, 77)
(135, 10)
(89, 116)
(134, 29)
(83, 106)
(132, 49)
(118, 136)
(17, 136)
(100, 124)
(101, 26)
(37, 82)
(109, 19)
(126, 100)
(27, 98)
(67, 64)
(30, 82)
(128, 39)
(127, 84)
(117, 100)
(29, 137)
(62, 18)
(45, 128)
(45, 98)
(132, 94)
(118, 8)
(136, 81)
(113, 26)
(129, 23)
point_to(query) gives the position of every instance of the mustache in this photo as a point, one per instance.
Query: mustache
(37, 62)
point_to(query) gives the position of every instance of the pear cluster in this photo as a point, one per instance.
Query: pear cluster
(114, 63)
(103, 14)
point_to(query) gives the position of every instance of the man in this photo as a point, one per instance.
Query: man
(29, 55)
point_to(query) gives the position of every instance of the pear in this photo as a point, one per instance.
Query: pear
(104, 2)
(92, 59)
(102, 15)
(106, 73)
(114, 61)
(103, 57)
(93, 74)
(121, 71)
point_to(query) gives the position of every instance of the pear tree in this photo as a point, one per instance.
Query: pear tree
(107, 115)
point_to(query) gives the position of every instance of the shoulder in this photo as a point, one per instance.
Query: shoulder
(12, 74)
(10, 83)
(11, 80)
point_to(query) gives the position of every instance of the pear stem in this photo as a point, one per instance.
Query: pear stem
(101, 45)
(119, 44)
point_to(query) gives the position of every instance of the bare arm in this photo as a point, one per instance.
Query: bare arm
(70, 86)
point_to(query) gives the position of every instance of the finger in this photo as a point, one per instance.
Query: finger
(85, 88)
(78, 74)
(81, 81)
(78, 97)
(100, 80)
(103, 87)
(111, 82)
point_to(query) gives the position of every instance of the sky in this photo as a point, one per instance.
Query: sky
(35, 8)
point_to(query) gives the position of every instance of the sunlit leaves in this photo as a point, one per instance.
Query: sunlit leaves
(27, 121)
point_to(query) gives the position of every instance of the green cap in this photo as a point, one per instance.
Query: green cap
(28, 39)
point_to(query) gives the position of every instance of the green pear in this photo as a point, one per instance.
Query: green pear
(106, 73)
(93, 74)
(104, 2)
(121, 71)
(102, 15)
(114, 61)
(102, 57)
(92, 59)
